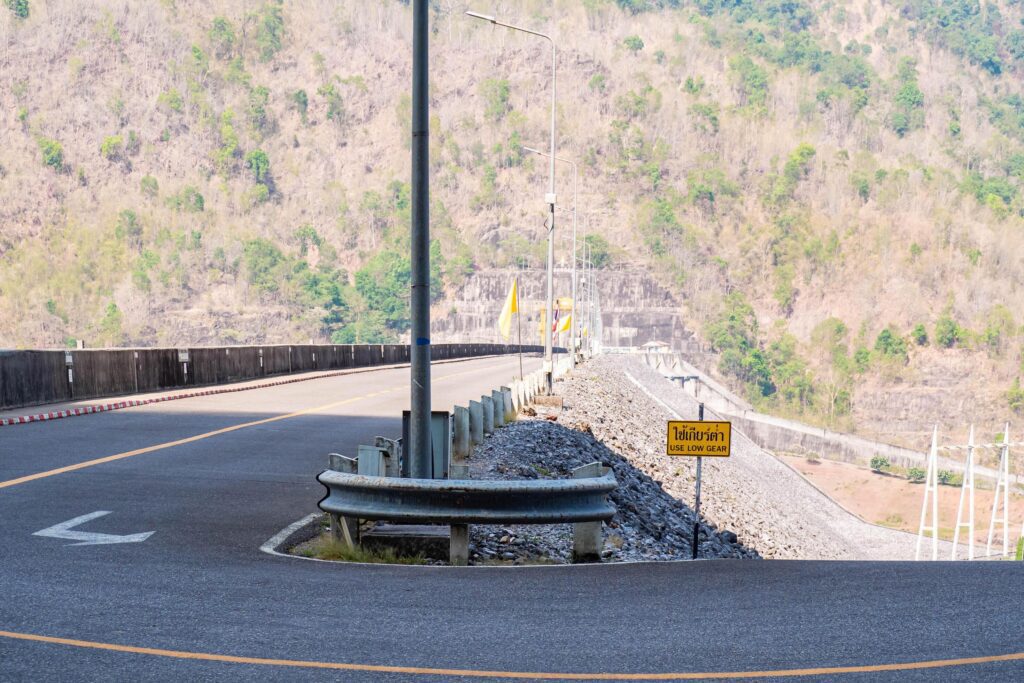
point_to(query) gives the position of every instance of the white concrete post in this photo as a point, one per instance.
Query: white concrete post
(476, 422)
(498, 401)
(488, 404)
(342, 528)
(586, 536)
(1002, 483)
(966, 493)
(461, 437)
(931, 490)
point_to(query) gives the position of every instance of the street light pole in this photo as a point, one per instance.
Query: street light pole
(575, 201)
(419, 446)
(549, 198)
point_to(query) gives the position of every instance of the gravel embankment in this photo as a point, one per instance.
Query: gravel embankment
(752, 504)
(770, 506)
(649, 524)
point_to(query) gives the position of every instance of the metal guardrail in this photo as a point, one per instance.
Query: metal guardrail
(366, 488)
(468, 501)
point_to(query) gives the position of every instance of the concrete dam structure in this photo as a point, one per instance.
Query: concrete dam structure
(634, 307)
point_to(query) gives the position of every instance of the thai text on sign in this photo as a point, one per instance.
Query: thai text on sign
(699, 439)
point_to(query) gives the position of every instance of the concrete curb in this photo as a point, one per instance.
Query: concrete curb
(107, 407)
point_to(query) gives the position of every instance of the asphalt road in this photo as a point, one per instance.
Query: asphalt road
(198, 592)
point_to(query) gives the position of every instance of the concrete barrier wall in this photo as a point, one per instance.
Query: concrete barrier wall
(29, 378)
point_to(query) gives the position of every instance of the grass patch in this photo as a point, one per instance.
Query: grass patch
(894, 521)
(324, 547)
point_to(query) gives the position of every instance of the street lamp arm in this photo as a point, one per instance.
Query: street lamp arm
(545, 154)
(550, 197)
(493, 20)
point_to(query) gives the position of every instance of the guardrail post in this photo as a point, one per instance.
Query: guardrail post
(586, 536)
(342, 528)
(488, 403)
(371, 461)
(498, 401)
(510, 412)
(461, 429)
(392, 455)
(476, 422)
(458, 545)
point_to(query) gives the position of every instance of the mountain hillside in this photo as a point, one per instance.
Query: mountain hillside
(831, 189)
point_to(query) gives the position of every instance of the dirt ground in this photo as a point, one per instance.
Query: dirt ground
(894, 502)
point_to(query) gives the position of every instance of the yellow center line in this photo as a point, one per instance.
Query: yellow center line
(533, 675)
(206, 435)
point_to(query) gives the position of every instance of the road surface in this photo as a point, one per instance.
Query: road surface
(214, 477)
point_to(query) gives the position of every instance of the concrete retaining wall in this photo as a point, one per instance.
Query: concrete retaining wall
(29, 378)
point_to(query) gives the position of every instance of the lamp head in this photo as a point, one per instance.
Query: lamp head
(485, 17)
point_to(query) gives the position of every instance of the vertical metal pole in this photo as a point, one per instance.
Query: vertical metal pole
(419, 450)
(519, 325)
(696, 507)
(549, 366)
(572, 313)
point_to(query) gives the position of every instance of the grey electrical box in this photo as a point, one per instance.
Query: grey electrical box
(440, 443)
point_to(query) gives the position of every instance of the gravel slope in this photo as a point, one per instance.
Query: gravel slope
(771, 507)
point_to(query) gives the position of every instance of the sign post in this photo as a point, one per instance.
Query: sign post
(698, 439)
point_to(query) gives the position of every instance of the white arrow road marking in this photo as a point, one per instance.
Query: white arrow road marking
(63, 530)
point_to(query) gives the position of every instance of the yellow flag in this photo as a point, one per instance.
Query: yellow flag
(564, 327)
(511, 306)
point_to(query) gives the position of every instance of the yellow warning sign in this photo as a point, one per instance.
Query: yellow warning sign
(704, 439)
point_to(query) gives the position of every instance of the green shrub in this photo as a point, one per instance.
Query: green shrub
(53, 153)
(171, 99)
(947, 332)
(633, 43)
(111, 325)
(891, 345)
(708, 115)
(916, 475)
(496, 92)
(1015, 397)
(861, 359)
(335, 107)
(301, 102)
(1020, 549)
(862, 186)
(920, 335)
(112, 147)
(222, 37)
(128, 227)
(948, 478)
(19, 8)
(257, 110)
(263, 261)
(149, 186)
(256, 195)
(880, 463)
(188, 200)
(269, 30)
(752, 82)
(694, 86)
(258, 162)
(600, 250)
